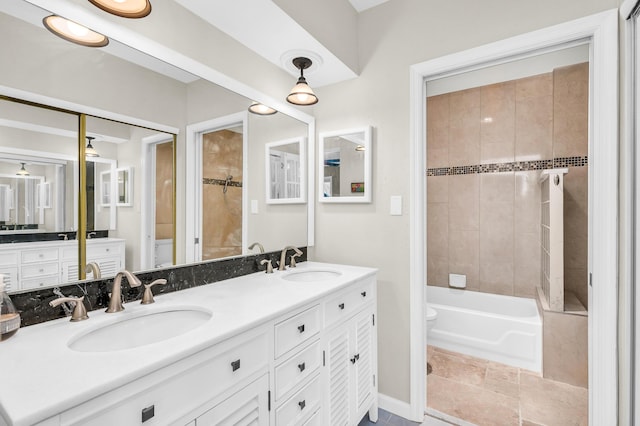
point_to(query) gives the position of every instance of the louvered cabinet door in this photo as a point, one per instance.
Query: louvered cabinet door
(247, 407)
(338, 406)
(363, 365)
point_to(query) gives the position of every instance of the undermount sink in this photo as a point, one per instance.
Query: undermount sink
(140, 330)
(311, 275)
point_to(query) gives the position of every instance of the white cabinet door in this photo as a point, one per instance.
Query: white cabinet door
(248, 406)
(337, 376)
(350, 363)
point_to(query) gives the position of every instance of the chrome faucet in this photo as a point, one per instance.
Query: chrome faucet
(115, 302)
(283, 256)
(90, 235)
(94, 268)
(259, 247)
(65, 236)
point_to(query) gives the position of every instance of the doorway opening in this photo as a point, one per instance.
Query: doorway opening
(600, 32)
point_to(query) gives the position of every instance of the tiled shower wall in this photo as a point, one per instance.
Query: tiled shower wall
(486, 147)
(221, 211)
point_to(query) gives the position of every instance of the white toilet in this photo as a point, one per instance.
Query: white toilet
(432, 317)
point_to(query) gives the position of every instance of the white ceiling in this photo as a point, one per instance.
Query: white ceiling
(361, 5)
(267, 30)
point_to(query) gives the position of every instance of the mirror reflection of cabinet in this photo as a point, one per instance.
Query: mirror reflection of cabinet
(345, 166)
(285, 171)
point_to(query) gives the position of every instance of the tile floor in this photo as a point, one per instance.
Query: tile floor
(483, 392)
(385, 418)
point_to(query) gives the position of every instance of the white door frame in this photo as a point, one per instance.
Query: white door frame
(148, 209)
(193, 178)
(602, 31)
(630, 213)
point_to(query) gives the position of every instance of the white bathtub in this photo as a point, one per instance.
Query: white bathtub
(499, 328)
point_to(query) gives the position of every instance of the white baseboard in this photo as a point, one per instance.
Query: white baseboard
(395, 406)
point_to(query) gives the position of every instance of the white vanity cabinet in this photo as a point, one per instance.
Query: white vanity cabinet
(351, 355)
(41, 264)
(274, 353)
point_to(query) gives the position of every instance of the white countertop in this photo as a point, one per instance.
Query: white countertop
(42, 377)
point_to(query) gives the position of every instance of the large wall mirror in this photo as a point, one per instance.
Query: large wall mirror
(137, 111)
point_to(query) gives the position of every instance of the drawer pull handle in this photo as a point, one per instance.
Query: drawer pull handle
(40, 270)
(341, 306)
(302, 404)
(301, 328)
(301, 367)
(355, 358)
(364, 294)
(235, 365)
(148, 413)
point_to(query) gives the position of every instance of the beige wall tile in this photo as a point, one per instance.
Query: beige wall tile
(496, 277)
(222, 155)
(464, 127)
(565, 348)
(437, 189)
(464, 193)
(221, 220)
(497, 187)
(576, 280)
(438, 269)
(576, 204)
(438, 122)
(437, 157)
(464, 256)
(527, 202)
(497, 129)
(526, 264)
(496, 232)
(534, 128)
(535, 86)
(438, 228)
(571, 110)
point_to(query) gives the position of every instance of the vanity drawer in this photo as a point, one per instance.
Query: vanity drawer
(345, 304)
(315, 420)
(39, 255)
(181, 393)
(301, 405)
(9, 259)
(295, 330)
(297, 368)
(39, 270)
(38, 282)
(103, 250)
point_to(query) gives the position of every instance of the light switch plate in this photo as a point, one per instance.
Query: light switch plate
(395, 208)
(254, 206)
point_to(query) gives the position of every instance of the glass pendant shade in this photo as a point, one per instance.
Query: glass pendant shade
(90, 151)
(301, 94)
(124, 8)
(75, 33)
(260, 109)
(22, 171)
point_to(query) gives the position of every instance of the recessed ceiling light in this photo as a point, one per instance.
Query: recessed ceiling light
(261, 109)
(124, 8)
(75, 33)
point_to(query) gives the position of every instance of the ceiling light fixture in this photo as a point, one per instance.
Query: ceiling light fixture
(301, 94)
(90, 151)
(261, 109)
(22, 171)
(360, 147)
(124, 8)
(75, 33)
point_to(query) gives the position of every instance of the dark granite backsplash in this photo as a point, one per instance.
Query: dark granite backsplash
(34, 305)
(46, 236)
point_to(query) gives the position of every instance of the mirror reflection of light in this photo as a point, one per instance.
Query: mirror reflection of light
(76, 29)
(487, 120)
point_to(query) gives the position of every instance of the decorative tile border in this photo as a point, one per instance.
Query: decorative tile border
(516, 166)
(222, 182)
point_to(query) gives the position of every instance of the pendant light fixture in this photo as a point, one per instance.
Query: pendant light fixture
(90, 151)
(261, 109)
(22, 171)
(124, 8)
(75, 33)
(301, 94)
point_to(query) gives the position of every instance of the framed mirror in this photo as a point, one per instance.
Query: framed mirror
(285, 172)
(124, 185)
(345, 166)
